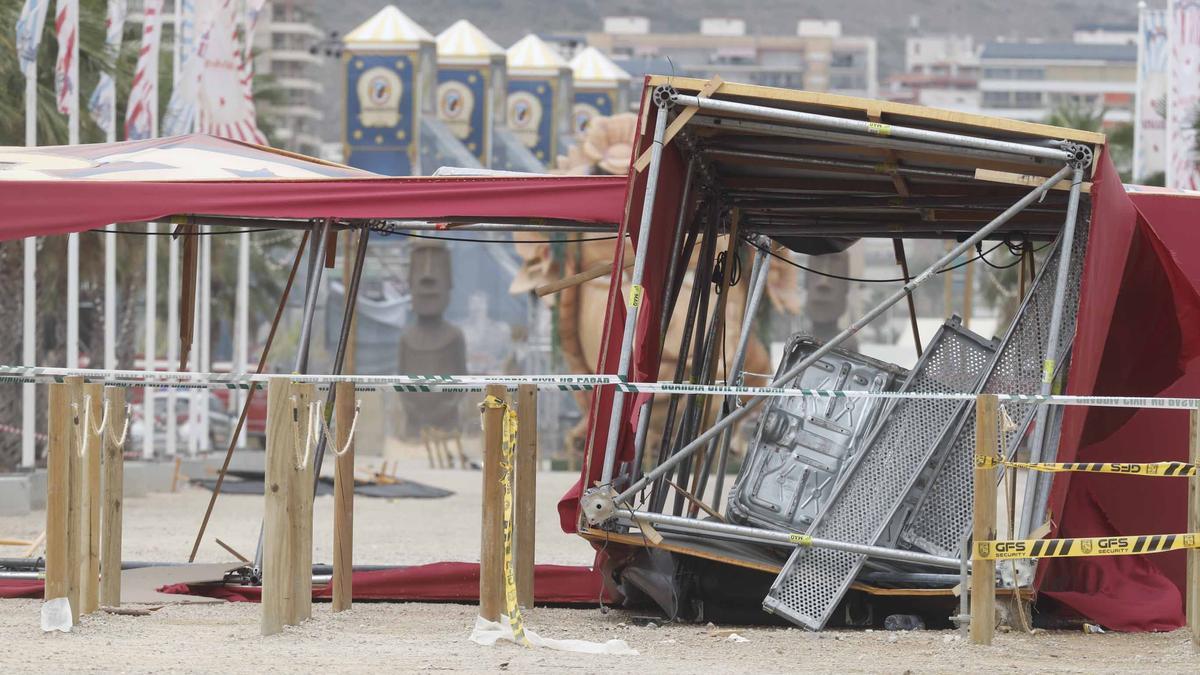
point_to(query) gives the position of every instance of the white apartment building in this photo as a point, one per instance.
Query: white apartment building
(1027, 81)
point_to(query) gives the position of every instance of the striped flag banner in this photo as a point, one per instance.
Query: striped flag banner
(29, 33)
(103, 101)
(224, 94)
(141, 112)
(66, 30)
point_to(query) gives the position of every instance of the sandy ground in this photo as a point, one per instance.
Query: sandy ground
(399, 637)
(417, 637)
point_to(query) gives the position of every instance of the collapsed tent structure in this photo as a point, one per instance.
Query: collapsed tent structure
(884, 500)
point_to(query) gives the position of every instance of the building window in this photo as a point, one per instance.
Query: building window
(998, 73)
(997, 99)
(1029, 99)
(1030, 74)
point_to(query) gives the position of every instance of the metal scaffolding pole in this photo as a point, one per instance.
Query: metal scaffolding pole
(743, 533)
(635, 290)
(870, 130)
(758, 283)
(1035, 487)
(599, 508)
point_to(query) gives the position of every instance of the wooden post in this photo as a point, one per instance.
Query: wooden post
(277, 588)
(1193, 524)
(300, 498)
(58, 493)
(74, 492)
(983, 572)
(491, 554)
(525, 518)
(89, 563)
(343, 499)
(112, 494)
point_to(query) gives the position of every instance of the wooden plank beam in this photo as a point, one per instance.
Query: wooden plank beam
(1192, 587)
(112, 499)
(343, 498)
(75, 491)
(59, 447)
(525, 497)
(1026, 180)
(300, 501)
(277, 568)
(491, 554)
(983, 572)
(89, 564)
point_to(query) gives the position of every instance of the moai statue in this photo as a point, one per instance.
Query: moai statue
(827, 297)
(430, 345)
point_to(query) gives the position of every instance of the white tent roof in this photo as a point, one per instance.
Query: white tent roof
(387, 29)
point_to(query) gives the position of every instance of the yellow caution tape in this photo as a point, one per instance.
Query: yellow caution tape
(1048, 371)
(879, 129)
(801, 539)
(1083, 547)
(508, 450)
(635, 295)
(886, 167)
(1163, 469)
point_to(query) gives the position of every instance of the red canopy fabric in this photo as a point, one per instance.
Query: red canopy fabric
(1138, 334)
(58, 190)
(436, 582)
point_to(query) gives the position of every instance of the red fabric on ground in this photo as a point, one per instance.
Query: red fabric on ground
(44, 208)
(436, 582)
(1138, 334)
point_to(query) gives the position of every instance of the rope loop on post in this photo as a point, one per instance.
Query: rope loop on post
(83, 424)
(120, 440)
(329, 438)
(99, 430)
(301, 459)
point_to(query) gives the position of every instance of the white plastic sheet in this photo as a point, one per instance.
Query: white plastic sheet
(56, 615)
(487, 633)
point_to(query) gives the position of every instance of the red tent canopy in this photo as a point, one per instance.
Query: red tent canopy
(1138, 333)
(56, 190)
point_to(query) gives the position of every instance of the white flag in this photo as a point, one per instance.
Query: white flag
(224, 92)
(141, 112)
(1183, 93)
(1149, 127)
(104, 98)
(66, 29)
(29, 32)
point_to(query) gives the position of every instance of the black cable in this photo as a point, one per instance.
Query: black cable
(171, 233)
(499, 241)
(775, 255)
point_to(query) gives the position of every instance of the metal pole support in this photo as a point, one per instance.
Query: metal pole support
(664, 99)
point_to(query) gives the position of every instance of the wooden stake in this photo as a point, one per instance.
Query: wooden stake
(113, 488)
(525, 497)
(983, 572)
(75, 492)
(1193, 523)
(89, 564)
(491, 554)
(58, 492)
(277, 588)
(343, 499)
(300, 500)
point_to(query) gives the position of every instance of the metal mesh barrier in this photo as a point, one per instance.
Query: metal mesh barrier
(942, 519)
(813, 581)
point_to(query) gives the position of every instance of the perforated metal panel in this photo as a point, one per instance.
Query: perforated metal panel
(942, 519)
(803, 446)
(813, 581)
